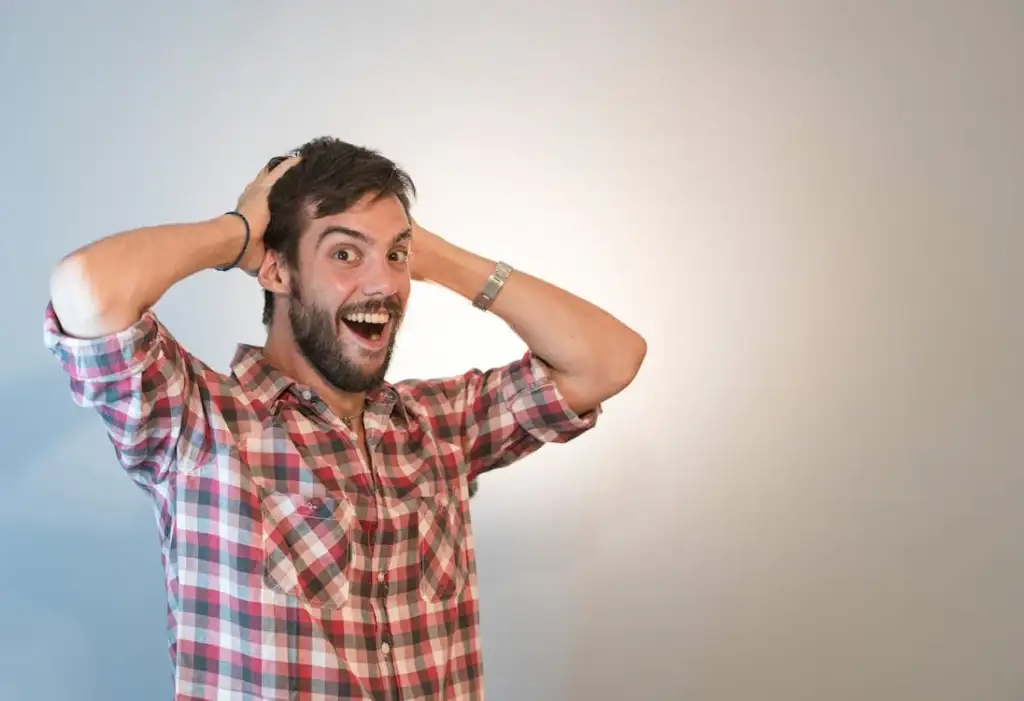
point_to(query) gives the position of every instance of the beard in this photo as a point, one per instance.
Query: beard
(316, 334)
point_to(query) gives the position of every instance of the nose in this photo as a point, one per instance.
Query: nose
(380, 279)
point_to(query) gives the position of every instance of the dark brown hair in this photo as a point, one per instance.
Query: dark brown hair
(331, 176)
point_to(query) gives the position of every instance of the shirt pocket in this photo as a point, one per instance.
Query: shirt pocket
(442, 557)
(307, 547)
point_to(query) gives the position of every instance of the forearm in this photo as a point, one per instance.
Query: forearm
(592, 354)
(107, 286)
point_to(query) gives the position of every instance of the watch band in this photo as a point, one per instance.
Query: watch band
(492, 287)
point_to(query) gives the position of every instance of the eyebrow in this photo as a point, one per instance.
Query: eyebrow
(359, 235)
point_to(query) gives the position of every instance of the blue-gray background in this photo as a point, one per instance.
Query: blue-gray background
(812, 210)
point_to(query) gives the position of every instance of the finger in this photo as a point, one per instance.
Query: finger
(273, 163)
(274, 173)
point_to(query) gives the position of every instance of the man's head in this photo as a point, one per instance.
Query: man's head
(336, 275)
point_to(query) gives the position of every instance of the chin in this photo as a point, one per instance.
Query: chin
(367, 367)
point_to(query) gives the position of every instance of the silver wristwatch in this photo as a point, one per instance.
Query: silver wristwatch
(493, 286)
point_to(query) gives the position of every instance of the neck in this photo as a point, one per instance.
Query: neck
(283, 354)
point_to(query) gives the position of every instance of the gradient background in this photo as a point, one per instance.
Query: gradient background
(812, 211)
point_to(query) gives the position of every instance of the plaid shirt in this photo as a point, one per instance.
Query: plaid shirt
(295, 569)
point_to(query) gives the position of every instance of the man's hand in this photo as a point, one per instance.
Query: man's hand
(255, 207)
(425, 247)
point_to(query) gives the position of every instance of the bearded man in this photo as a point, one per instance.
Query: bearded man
(313, 517)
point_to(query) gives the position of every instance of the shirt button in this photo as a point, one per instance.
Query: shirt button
(381, 576)
(307, 395)
(385, 648)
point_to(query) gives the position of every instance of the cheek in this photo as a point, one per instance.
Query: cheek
(338, 289)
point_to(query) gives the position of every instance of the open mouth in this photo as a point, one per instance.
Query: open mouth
(367, 326)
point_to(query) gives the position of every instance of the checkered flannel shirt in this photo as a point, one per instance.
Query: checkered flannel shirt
(294, 569)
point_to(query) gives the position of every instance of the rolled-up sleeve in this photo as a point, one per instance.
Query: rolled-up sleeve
(502, 415)
(140, 383)
(537, 405)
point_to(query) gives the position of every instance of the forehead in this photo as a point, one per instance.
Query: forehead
(379, 219)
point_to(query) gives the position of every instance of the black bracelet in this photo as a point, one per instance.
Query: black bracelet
(245, 245)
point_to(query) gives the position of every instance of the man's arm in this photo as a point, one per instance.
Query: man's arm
(120, 360)
(106, 286)
(592, 355)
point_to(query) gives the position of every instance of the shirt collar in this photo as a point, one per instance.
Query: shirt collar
(266, 385)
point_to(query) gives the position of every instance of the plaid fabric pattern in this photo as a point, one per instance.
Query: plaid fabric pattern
(294, 568)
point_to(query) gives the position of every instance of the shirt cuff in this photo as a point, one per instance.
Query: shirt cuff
(539, 407)
(107, 358)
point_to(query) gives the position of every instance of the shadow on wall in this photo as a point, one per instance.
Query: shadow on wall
(84, 615)
(35, 411)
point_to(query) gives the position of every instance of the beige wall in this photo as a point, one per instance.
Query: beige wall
(823, 480)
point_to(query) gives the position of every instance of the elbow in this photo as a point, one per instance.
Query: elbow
(606, 377)
(630, 357)
(624, 361)
(76, 298)
(67, 283)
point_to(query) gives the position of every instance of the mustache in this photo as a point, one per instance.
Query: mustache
(389, 305)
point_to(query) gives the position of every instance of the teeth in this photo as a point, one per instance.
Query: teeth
(362, 318)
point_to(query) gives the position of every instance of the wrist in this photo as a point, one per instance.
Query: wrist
(229, 242)
(457, 269)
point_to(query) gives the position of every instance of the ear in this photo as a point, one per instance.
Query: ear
(274, 274)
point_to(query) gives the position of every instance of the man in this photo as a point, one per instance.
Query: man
(313, 518)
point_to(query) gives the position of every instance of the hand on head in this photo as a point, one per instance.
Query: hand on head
(254, 205)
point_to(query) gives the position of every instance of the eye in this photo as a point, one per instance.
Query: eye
(399, 256)
(344, 254)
